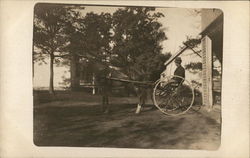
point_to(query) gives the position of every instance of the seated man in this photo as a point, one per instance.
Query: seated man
(174, 88)
(179, 71)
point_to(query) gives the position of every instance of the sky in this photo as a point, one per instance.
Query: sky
(177, 22)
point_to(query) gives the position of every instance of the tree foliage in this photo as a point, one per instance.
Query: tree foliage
(192, 42)
(129, 39)
(137, 42)
(89, 36)
(48, 34)
(48, 28)
(194, 66)
(97, 36)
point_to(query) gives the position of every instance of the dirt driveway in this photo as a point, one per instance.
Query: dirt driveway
(81, 123)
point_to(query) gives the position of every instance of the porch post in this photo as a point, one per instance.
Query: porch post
(207, 97)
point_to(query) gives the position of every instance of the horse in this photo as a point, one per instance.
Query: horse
(141, 87)
(104, 73)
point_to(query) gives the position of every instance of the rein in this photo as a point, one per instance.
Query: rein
(132, 81)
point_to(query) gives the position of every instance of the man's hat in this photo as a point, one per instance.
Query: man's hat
(178, 60)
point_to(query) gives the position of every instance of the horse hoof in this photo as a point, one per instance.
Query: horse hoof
(106, 112)
(138, 110)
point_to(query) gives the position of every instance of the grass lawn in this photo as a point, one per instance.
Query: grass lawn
(76, 119)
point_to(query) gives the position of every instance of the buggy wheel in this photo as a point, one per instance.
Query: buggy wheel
(173, 98)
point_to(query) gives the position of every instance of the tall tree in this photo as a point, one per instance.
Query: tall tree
(56, 31)
(89, 39)
(97, 35)
(48, 34)
(74, 46)
(137, 42)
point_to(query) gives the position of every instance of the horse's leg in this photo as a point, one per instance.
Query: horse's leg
(139, 106)
(107, 92)
(142, 99)
(107, 104)
(107, 100)
(138, 95)
(104, 99)
(103, 102)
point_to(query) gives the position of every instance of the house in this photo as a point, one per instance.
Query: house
(212, 45)
(211, 57)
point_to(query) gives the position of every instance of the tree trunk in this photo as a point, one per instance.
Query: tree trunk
(74, 73)
(51, 82)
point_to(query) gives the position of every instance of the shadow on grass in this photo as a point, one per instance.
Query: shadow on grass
(87, 126)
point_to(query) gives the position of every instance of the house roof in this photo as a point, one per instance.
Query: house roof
(212, 26)
(213, 30)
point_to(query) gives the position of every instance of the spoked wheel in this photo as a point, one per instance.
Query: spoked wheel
(173, 95)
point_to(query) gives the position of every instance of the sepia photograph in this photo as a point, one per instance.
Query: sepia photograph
(138, 77)
(119, 79)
